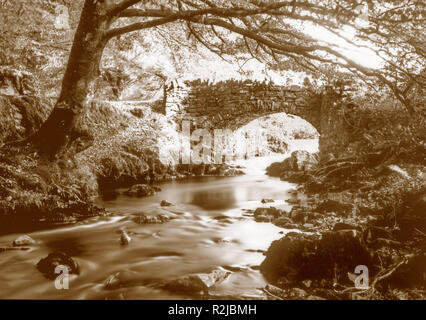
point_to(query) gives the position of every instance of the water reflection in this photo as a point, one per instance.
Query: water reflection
(216, 199)
(72, 246)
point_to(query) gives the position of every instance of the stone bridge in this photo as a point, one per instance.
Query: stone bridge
(232, 104)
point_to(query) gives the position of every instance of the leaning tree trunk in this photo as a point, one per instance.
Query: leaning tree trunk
(62, 126)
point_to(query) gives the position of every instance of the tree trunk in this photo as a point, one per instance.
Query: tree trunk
(62, 126)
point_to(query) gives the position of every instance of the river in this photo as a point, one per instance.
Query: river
(210, 230)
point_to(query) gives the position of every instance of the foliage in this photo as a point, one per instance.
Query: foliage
(20, 116)
(30, 41)
(383, 123)
(33, 189)
(283, 34)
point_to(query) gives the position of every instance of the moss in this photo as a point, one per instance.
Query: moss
(298, 257)
(21, 116)
(32, 189)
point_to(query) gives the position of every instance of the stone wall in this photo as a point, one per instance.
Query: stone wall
(232, 104)
(335, 131)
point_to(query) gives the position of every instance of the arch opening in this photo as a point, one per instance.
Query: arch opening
(284, 132)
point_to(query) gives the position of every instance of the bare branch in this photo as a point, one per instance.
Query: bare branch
(133, 12)
(123, 5)
(138, 26)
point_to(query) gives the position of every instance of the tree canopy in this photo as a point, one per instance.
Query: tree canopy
(291, 32)
(381, 43)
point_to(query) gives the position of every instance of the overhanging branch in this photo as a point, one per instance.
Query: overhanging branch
(256, 22)
(123, 5)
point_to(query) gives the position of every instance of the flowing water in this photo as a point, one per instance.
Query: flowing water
(210, 229)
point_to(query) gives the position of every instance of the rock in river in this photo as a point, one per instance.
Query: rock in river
(293, 201)
(268, 214)
(232, 172)
(141, 190)
(299, 160)
(165, 203)
(271, 211)
(48, 265)
(282, 221)
(151, 219)
(196, 283)
(23, 241)
(124, 237)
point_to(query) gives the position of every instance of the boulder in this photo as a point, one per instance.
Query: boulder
(293, 201)
(299, 160)
(267, 201)
(141, 190)
(296, 294)
(153, 219)
(289, 226)
(308, 226)
(282, 221)
(124, 278)
(196, 283)
(263, 218)
(302, 160)
(48, 265)
(275, 169)
(231, 172)
(315, 184)
(307, 283)
(124, 238)
(294, 176)
(297, 257)
(339, 208)
(287, 294)
(165, 203)
(295, 168)
(268, 214)
(271, 211)
(23, 241)
(298, 215)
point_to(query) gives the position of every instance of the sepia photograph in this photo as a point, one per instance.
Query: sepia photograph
(212, 155)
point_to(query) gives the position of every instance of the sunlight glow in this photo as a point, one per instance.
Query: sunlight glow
(362, 53)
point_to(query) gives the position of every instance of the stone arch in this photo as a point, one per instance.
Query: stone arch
(232, 103)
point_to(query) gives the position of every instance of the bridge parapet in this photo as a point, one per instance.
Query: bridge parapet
(231, 104)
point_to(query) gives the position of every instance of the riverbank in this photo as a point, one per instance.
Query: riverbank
(365, 206)
(365, 212)
(125, 145)
(123, 151)
(199, 232)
